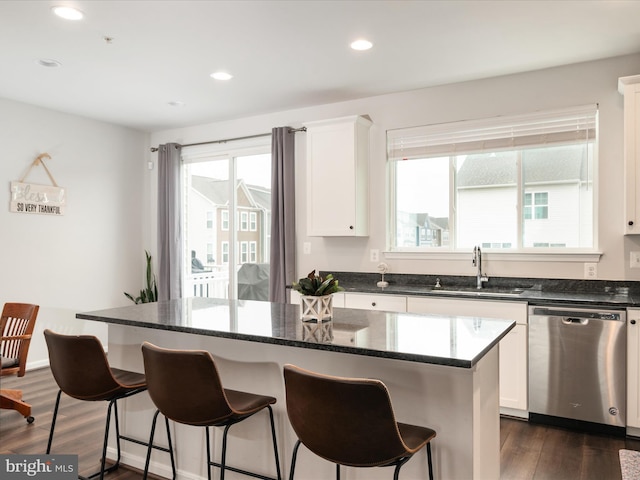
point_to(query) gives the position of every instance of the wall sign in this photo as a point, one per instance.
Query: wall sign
(34, 198)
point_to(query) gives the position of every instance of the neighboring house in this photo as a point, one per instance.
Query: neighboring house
(209, 226)
(421, 229)
(557, 187)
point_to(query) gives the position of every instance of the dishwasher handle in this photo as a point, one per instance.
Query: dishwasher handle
(575, 321)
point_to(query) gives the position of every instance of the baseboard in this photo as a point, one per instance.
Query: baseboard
(514, 412)
(633, 432)
(573, 424)
(160, 468)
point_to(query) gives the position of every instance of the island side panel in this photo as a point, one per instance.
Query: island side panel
(460, 404)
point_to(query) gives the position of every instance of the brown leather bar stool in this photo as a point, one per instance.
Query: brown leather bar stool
(350, 421)
(81, 370)
(16, 328)
(185, 387)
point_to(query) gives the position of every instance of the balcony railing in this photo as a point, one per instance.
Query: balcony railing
(214, 284)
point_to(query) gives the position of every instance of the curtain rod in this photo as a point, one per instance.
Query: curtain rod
(291, 130)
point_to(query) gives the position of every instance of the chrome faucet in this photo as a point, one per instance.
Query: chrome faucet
(477, 262)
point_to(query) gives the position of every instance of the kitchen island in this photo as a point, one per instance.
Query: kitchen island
(446, 378)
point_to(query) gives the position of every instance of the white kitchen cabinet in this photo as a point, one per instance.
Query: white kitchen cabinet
(365, 301)
(633, 371)
(513, 347)
(338, 177)
(630, 88)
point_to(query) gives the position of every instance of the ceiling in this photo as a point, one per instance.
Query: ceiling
(284, 54)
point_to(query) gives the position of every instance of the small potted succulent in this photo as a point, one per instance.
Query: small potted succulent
(316, 296)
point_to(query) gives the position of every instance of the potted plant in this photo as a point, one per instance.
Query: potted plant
(316, 296)
(150, 293)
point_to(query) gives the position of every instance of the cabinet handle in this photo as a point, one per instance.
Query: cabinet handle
(630, 223)
(633, 322)
(350, 227)
(373, 304)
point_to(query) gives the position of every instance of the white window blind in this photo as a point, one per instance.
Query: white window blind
(495, 134)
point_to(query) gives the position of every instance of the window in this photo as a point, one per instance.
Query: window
(511, 183)
(253, 255)
(253, 221)
(224, 220)
(225, 252)
(536, 206)
(244, 252)
(230, 180)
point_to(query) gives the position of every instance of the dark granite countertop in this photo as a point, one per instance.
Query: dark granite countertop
(535, 291)
(455, 341)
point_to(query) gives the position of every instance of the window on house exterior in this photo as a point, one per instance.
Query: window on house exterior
(511, 183)
(536, 206)
(224, 220)
(225, 252)
(253, 252)
(253, 221)
(230, 180)
(244, 252)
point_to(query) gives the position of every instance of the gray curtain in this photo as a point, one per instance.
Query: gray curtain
(169, 223)
(283, 229)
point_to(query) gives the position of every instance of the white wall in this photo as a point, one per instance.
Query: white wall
(85, 259)
(572, 85)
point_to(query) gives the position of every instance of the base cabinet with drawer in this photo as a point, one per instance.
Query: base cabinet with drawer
(365, 301)
(513, 347)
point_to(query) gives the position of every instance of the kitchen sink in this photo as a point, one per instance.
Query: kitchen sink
(476, 292)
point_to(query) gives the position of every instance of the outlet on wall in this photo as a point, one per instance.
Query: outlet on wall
(634, 259)
(590, 270)
(374, 255)
(306, 248)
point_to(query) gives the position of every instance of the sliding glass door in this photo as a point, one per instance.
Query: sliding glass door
(227, 221)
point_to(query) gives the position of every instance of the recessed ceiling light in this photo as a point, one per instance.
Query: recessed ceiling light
(361, 44)
(176, 103)
(49, 63)
(68, 13)
(221, 76)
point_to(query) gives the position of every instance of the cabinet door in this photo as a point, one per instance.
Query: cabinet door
(632, 157)
(513, 369)
(387, 303)
(513, 347)
(338, 177)
(633, 368)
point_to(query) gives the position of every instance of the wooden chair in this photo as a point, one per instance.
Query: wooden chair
(16, 327)
(350, 421)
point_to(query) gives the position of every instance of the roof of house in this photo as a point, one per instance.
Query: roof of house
(217, 191)
(540, 166)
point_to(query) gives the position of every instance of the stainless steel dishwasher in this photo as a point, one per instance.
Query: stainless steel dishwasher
(577, 368)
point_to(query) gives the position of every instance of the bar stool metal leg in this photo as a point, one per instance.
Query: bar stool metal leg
(151, 446)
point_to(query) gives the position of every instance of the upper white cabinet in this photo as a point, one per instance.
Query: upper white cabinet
(630, 88)
(338, 177)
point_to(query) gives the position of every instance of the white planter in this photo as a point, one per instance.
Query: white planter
(316, 308)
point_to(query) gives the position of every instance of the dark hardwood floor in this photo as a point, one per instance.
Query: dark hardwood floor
(528, 451)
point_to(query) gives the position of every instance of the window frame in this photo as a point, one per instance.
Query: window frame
(224, 220)
(520, 253)
(228, 151)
